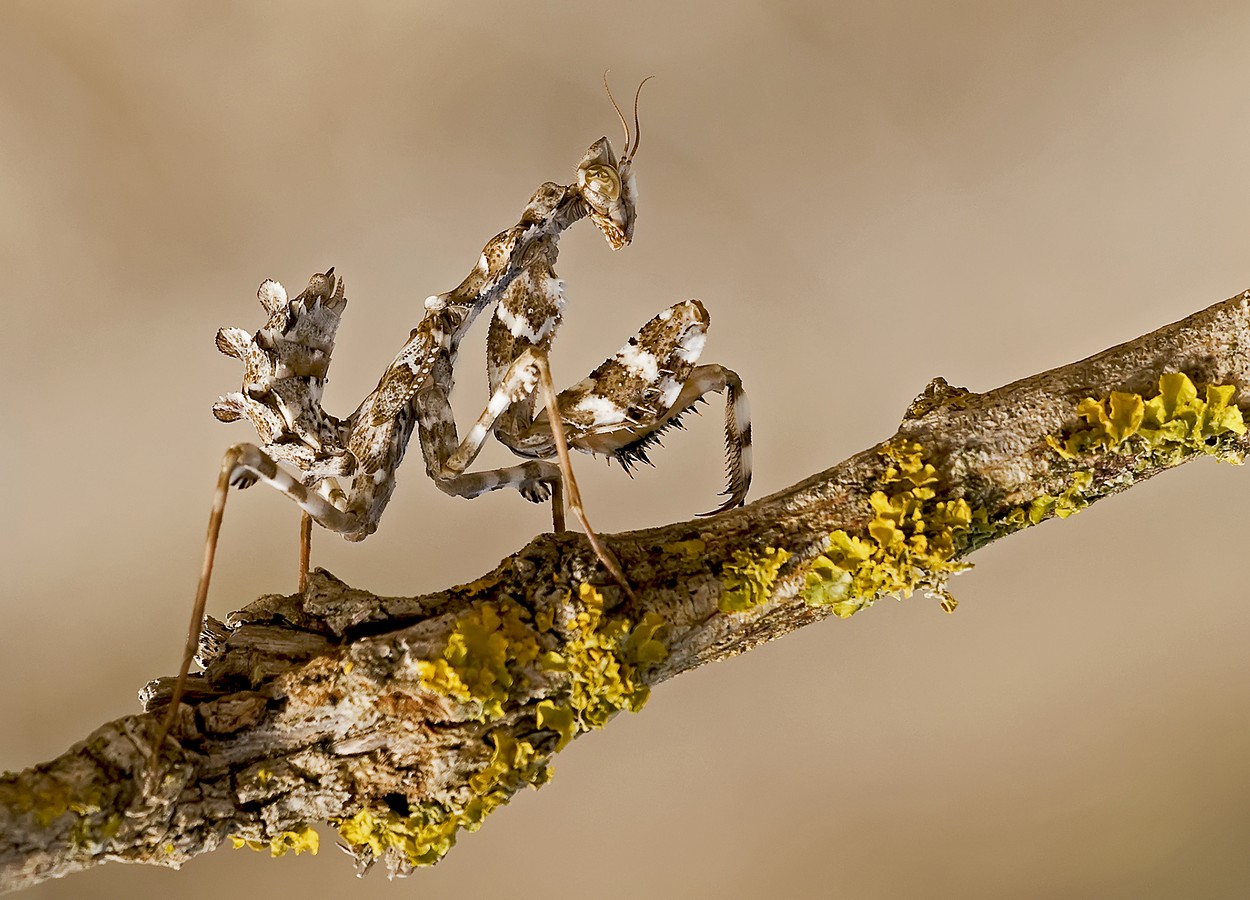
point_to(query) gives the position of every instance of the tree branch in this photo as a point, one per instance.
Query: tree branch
(405, 720)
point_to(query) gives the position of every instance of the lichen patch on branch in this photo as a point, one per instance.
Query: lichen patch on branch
(1133, 434)
(1164, 429)
(486, 655)
(302, 840)
(747, 579)
(487, 664)
(911, 541)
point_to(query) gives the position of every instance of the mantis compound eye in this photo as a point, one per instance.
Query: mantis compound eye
(601, 180)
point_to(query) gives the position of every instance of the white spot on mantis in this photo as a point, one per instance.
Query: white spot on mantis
(602, 410)
(473, 440)
(745, 459)
(742, 416)
(639, 362)
(437, 301)
(555, 292)
(691, 347)
(498, 403)
(519, 326)
(669, 388)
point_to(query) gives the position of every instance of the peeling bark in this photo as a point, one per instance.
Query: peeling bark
(313, 706)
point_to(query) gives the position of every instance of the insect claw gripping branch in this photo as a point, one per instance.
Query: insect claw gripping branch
(346, 467)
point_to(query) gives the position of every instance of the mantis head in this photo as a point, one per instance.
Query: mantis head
(607, 184)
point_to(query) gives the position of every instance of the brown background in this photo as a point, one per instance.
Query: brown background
(865, 196)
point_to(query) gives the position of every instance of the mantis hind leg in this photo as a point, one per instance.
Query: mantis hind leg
(243, 466)
(305, 549)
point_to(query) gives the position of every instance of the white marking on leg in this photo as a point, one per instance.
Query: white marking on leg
(477, 434)
(555, 291)
(602, 410)
(499, 402)
(521, 327)
(691, 347)
(669, 389)
(639, 361)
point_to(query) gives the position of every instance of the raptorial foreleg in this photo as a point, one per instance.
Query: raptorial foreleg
(623, 407)
(703, 380)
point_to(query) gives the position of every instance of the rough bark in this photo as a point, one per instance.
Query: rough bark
(314, 707)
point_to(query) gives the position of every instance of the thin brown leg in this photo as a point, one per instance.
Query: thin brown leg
(305, 549)
(201, 598)
(606, 556)
(557, 506)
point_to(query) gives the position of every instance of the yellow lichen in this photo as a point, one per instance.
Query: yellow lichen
(1160, 431)
(647, 642)
(912, 539)
(1165, 428)
(493, 643)
(1073, 499)
(489, 646)
(50, 803)
(303, 840)
(425, 836)
(559, 719)
(911, 544)
(747, 579)
(91, 832)
(421, 839)
(602, 658)
(48, 798)
(692, 548)
(483, 584)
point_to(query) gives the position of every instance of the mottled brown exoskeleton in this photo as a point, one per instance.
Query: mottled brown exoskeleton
(347, 466)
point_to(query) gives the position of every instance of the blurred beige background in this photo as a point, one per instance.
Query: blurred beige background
(865, 196)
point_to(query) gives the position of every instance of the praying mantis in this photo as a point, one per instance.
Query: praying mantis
(347, 466)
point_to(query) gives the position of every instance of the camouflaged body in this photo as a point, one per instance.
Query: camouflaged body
(347, 466)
